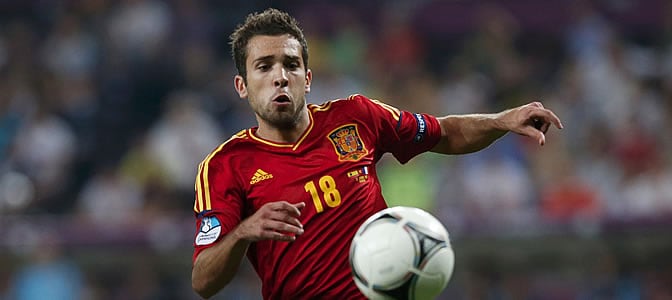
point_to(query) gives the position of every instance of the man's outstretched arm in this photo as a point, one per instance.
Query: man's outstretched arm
(462, 134)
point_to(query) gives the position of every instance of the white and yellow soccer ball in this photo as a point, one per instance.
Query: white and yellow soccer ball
(402, 253)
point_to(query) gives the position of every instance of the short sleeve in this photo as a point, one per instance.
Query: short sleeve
(218, 203)
(402, 133)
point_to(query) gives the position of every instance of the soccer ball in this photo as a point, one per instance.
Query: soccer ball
(401, 253)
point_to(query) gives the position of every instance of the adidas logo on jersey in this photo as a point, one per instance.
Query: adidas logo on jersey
(260, 175)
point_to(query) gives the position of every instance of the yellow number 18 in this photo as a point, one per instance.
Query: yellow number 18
(330, 194)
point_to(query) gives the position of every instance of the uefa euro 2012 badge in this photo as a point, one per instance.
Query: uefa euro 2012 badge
(209, 232)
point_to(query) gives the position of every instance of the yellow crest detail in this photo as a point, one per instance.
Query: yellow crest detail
(347, 143)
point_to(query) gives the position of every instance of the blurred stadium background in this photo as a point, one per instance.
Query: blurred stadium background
(106, 108)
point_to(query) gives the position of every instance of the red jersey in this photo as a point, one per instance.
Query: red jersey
(332, 168)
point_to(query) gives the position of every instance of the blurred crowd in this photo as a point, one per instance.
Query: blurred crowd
(107, 107)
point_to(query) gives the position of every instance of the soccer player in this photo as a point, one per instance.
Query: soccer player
(290, 193)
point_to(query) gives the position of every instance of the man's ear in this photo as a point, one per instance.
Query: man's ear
(241, 87)
(309, 79)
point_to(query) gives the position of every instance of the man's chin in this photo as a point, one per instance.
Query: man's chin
(283, 121)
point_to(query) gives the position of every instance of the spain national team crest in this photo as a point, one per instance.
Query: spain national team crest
(347, 143)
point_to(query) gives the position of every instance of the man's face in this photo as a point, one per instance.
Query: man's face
(277, 81)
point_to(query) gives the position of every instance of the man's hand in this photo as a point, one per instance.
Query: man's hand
(215, 266)
(531, 120)
(273, 221)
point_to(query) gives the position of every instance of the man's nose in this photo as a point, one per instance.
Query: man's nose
(281, 79)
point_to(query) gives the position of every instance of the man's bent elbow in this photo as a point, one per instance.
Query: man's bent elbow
(200, 287)
(206, 287)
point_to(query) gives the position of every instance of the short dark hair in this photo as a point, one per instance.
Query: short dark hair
(269, 22)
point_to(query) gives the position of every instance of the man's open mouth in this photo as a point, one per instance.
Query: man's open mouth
(282, 99)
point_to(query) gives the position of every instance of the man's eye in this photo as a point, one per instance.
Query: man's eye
(263, 67)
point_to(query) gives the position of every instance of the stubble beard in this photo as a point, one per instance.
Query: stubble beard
(284, 119)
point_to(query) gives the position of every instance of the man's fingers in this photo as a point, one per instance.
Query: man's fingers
(534, 133)
(293, 209)
(277, 236)
(540, 137)
(296, 208)
(283, 216)
(548, 116)
(554, 119)
(540, 116)
(537, 104)
(282, 228)
(280, 205)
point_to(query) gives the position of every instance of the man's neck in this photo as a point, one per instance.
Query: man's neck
(284, 135)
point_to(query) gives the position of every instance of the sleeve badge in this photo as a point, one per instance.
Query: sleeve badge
(209, 231)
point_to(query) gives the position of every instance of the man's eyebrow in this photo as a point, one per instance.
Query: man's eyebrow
(263, 58)
(267, 58)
